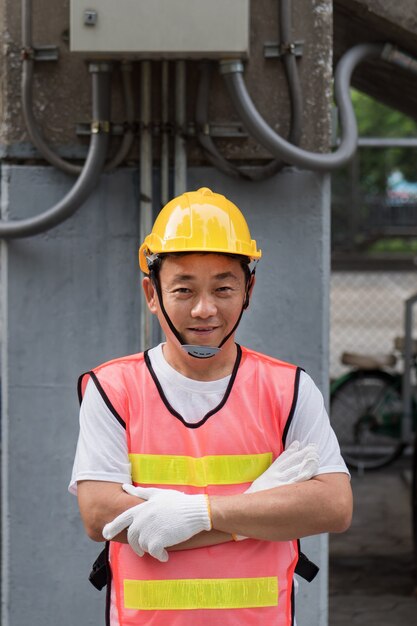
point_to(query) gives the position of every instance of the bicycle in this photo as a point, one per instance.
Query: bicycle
(366, 409)
(373, 409)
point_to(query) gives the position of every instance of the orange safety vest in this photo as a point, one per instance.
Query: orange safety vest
(245, 583)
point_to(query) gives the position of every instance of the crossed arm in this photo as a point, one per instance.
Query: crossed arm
(321, 504)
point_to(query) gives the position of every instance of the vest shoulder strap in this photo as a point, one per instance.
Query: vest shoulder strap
(306, 568)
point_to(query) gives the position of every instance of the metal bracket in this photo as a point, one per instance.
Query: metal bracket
(99, 127)
(90, 17)
(96, 127)
(274, 50)
(46, 53)
(221, 130)
(225, 130)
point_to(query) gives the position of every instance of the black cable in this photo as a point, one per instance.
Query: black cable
(295, 93)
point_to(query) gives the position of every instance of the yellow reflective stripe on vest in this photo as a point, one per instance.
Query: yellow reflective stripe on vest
(200, 593)
(167, 469)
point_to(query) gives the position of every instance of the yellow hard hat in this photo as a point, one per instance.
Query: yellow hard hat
(199, 221)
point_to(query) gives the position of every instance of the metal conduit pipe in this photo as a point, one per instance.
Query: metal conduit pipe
(291, 72)
(27, 104)
(211, 151)
(180, 153)
(164, 133)
(145, 216)
(260, 130)
(394, 55)
(296, 102)
(101, 78)
(128, 137)
(27, 100)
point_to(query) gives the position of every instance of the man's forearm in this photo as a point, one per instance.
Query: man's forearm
(323, 504)
(100, 502)
(288, 512)
(202, 540)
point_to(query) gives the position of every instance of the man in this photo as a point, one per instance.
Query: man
(195, 458)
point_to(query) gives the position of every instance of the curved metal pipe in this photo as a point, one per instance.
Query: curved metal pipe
(295, 94)
(27, 90)
(128, 137)
(260, 130)
(212, 153)
(31, 124)
(291, 72)
(91, 171)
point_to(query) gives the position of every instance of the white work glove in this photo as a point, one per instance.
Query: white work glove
(294, 465)
(167, 518)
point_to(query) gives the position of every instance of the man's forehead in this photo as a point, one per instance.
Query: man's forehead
(191, 265)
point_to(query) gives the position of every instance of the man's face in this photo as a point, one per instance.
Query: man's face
(203, 295)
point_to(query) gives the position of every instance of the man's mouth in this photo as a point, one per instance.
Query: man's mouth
(202, 330)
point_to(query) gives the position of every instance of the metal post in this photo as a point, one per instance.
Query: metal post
(180, 175)
(164, 134)
(146, 218)
(354, 213)
(406, 430)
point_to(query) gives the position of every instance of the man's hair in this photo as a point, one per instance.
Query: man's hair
(244, 260)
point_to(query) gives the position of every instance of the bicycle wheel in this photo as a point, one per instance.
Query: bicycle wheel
(365, 412)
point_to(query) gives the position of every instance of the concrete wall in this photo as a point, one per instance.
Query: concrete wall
(70, 297)
(70, 301)
(62, 92)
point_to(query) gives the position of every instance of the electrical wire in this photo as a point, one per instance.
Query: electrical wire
(295, 93)
(91, 171)
(279, 147)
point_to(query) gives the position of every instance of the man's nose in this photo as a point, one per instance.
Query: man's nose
(204, 306)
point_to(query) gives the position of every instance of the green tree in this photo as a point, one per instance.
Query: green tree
(359, 191)
(377, 120)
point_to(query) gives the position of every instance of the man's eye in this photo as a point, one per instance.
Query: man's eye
(181, 290)
(224, 289)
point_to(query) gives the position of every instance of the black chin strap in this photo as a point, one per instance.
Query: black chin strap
(196, 351)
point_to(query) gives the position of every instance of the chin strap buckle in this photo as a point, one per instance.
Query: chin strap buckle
(200, 352)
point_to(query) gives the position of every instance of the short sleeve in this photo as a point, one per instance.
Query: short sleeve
(311, 424)
(102, 447)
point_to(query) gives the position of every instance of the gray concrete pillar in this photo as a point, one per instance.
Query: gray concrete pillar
(69, 301)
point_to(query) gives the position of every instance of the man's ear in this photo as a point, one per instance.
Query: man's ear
(249, 291)
(150, 294)
(252, 284)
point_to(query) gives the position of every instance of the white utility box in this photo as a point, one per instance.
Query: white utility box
(160, 28)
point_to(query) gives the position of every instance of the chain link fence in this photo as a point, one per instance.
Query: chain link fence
(367, 312)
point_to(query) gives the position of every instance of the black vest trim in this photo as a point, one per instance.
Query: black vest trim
(292, 604)
(210, 413)
(103, 395)
(109, 581)
(293, 405)
(305, 568)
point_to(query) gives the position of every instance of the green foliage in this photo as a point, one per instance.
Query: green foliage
(377, 120)
(395, 245)
(359, 191)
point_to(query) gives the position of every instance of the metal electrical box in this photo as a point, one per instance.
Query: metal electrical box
(160, 28)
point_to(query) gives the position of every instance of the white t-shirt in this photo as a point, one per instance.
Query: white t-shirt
(102, 448)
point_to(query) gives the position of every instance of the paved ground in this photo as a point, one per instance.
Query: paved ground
(372, 574)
